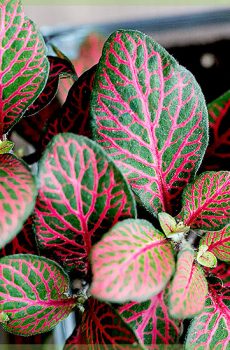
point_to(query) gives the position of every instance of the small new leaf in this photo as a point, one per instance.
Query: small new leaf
(4, 318)
(206, 258)
(171, 228)
(218, 243)
(6, 146)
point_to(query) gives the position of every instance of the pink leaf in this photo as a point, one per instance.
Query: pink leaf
(206, 202)
(189, 287)
(33, 294)
(133, 261)
(151, 118)
(151, 321)
(218, 243)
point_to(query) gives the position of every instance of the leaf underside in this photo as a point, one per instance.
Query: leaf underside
(82, 194)
(150, 117)
(206, 202)
(17, 196)
(132, 262)
(32, 294)
(24, 66)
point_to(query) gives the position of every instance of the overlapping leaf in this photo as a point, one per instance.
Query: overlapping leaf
(23, 243)
(17, 196)
(206, 202)
(82, 194)
(150, 116)
(218, 243)
(74, 115)
(211, 329)
(132, 262)
(189, 287)
(24, 66)
(33, 294)
(151, 321)
(103, 327)
(217, 156)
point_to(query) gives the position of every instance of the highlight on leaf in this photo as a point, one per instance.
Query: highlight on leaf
(150, 117)
(17, 196)
(218, 243)
(132, 262)
(210, 329)
(206, 202)
(33, 294)
(188, 288)
(24, 65)
(100, 326)
(151, 321)
(82, 194)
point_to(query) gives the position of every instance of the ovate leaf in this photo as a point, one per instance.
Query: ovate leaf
(217, 156)
(132, 262)
(33, 294)
(24, 66)
(6, 146)
(206, 202)
(17, 196)
(189, 287)
(205, 257)
(150, 116)
(210, 330)
(101, 325)
(82, 194)
(151, 321)
(23, 243)
(218, 243)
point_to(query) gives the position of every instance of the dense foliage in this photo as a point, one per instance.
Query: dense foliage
(129, 195)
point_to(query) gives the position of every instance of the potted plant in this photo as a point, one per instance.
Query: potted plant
(129, 196)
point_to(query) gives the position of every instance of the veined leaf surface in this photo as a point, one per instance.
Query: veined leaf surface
(82, 194)
(102, 327)
(17, 196)
(23, 243)
(151, 321)
(74, 114)
(188, 288)
(132, 262)
(23, 64)
(150, 116)
(59, 68)
(206, 202)
(211, 329)
(217, 156)
(33, 294)
(218, 243)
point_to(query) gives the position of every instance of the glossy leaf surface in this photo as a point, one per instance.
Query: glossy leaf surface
(150, 116)
(102, 327)
(206, 202)
(32, 294)
(151, 321)
(23, 243)
(217, 156)
(218, 243)
(189, 287)
(17, 196)
(82, 194)
(210, 329)
(24, 66)
(132, 262)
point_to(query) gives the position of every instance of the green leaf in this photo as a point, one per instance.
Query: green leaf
(206, 258)
(132, 262)
(171, 228)
(24, 66)
(150, 116)
(33, 294)
(6, 146)
(189, 287)
(17, 196)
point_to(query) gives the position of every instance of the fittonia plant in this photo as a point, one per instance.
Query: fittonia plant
(118, 201)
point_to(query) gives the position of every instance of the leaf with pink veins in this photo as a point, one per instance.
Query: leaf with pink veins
(82, 194)
(206, 202)
(150, 116)
(33, 294)
(132, 262)
(24, 66)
